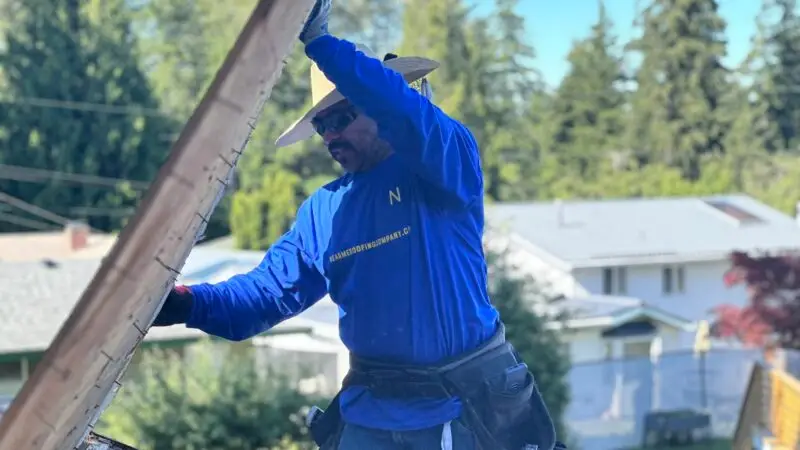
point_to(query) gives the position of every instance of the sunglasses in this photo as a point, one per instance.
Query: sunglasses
(335, 121)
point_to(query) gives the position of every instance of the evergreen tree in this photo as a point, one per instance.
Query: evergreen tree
(207, 400)
(175, 49)
(778, 80)
(56, 51)
(681, 83)
(436, 29)
(501, 84)
(588, 109)
(484, 81)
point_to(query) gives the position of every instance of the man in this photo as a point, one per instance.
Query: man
(397, 243)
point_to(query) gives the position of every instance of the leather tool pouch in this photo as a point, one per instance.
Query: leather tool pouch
(513, 412)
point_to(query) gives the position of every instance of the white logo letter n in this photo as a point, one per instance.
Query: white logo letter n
(394, 196)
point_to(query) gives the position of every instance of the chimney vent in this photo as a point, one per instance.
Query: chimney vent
(77, 234)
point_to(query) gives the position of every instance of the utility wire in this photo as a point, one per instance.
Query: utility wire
(34, 210)
(83, 211)
(101, 212)
(21, 173)
(104, 108)
(83, 106)
(28, 223)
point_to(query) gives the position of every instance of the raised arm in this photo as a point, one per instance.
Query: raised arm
(437, 147)
(284, 284)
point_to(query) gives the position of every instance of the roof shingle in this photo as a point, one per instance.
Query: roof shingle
(627, 231)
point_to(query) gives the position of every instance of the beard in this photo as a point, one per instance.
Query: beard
(355, 158)
(345, 154)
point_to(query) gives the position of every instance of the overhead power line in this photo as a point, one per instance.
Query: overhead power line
(83, 106)
(21, 173)
(104, 108)
(27, 223)
(34, 210)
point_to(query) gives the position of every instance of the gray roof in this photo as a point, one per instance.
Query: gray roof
(36, 297)
(597, 306)
(606, 310)
(644, 231)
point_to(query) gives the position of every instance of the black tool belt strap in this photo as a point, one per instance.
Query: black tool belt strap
(456, 377)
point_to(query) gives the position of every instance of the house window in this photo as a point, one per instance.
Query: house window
(636, 349)
(615, 280)
(10, 377)
(673, 279)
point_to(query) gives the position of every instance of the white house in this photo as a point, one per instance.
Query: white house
(671, 253)
(606, 327)
(36, 296)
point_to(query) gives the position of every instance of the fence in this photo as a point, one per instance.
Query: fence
(611, 398)
(785, 409)
(771, 413)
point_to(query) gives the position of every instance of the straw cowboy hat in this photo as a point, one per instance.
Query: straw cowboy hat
(325, 95)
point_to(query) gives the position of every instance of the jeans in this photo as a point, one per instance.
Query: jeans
(453, 436)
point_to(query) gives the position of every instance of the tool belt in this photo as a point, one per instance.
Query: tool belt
(500, 401)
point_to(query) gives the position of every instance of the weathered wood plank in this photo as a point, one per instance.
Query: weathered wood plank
(78, 375)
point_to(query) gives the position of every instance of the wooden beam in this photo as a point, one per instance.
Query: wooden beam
(79, 372)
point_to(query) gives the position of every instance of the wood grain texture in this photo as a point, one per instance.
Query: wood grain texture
(79, 373)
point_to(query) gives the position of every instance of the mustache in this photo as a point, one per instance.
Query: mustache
(339, 145)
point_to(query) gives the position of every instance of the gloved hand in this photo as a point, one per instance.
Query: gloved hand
(177, 307)
(317, 23)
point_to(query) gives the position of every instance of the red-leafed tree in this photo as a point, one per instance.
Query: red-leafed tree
(772, 315)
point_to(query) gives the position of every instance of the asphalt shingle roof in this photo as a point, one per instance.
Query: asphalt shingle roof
(605, 232)
(609, 306)
(36, 297)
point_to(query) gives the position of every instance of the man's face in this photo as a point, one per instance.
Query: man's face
(351, 138)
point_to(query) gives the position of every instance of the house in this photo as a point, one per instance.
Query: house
(75, 241)
(606, 328)
(37, 296)
(670, 252)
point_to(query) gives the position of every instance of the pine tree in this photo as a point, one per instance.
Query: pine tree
(209, 400)
(681, 83)
(588, 109)
(778, 79)
(175, 48)
(56, 51)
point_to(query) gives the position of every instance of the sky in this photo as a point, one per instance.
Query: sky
(552, 27)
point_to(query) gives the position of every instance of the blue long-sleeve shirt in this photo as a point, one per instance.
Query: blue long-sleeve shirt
(398, 247)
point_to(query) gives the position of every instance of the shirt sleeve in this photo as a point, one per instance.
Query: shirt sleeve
(284, 284)
(437, 147)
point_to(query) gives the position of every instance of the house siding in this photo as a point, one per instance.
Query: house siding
(703, 291)
(703, 288)
(588, 345)
(549, 278)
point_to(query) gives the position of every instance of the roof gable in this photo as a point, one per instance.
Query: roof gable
(612, 311)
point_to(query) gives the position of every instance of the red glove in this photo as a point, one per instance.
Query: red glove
(177, 307)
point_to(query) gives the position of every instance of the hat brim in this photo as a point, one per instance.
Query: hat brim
(411, 67)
